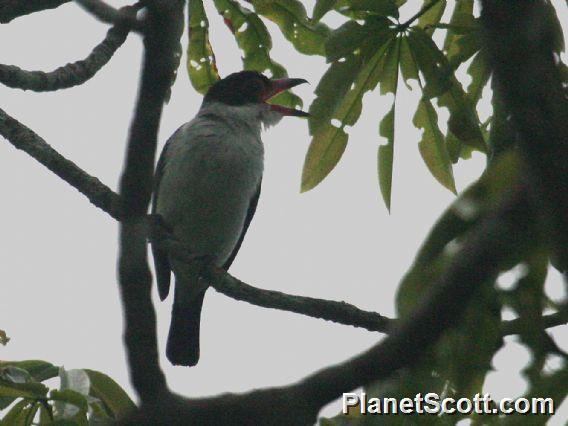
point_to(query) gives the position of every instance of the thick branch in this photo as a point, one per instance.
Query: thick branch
(164, 26)
(531, 86)
(69, 75)
(25, 139)
(11, 9)
(478, 263)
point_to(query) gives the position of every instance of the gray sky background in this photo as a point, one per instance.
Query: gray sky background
(58, 254)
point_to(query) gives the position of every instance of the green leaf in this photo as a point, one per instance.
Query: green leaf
(464, 48)
(254, 40)
(429, 19)
(321, 8)
(111, 394)
(39, 370)
(324, 153)
(374, 7)
(360, 9)
(201, 64)
(432, 146)
(480, 72)
(290, 15)
(69, 396)
(351, 36)
(442, 83)
(462, 9)
(19, 414)
(331, 91)
(31, 390)
(385, 155)
(463, 38)
(408, 66)
(345, 104)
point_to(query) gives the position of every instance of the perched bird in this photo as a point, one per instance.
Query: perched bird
(207, 186)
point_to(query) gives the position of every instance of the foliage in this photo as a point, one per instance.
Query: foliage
(84, 396)
(373, 50)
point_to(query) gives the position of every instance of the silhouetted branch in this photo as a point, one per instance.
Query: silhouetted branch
(477, 264)
(71, 74)
(338, 312)
(104, 198)
(164, 26)
(110, 15)
(12, 9)
(25, 139)
(530, 83)
(549, 321)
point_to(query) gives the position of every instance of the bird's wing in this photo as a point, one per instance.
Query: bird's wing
(161, 261)
(248, 219)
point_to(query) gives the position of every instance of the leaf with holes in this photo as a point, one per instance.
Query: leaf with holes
(442, 83)
(432, 146)
(340, 94)
(432, 17)
(385, 154)
(255, 42)
(361, 9)
(352, 35)
(201, 64)
(291, 17)
(480, 72)
(408, 67)
(462, 8)
(321, 8)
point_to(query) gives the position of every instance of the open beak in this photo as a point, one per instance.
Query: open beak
(280, 85)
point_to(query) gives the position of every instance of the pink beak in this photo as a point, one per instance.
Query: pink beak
(278, 86)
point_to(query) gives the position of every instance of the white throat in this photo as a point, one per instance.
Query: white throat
(254, 116)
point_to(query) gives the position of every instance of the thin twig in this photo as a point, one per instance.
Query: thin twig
(418, 14)
(72, 74)
(110, 15)
(338, 312)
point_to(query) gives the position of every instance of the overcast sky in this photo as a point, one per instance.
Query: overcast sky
(59, 297)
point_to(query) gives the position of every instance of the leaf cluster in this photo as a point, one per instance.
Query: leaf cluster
(84, 397)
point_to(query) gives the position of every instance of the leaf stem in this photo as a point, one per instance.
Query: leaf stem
(417, 15)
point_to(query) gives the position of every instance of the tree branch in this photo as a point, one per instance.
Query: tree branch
(329, 310)
(164, 26)
(104, 198)
(12, 9)
(479, 261)
(110, 15)
(72, 74)
(25, 139)
(517, 325)
(531, 86)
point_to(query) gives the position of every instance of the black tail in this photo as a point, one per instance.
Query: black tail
(183, 339)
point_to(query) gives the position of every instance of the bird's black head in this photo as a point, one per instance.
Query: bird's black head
(251, 87)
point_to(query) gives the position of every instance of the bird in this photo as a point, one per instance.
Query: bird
(206, 189)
